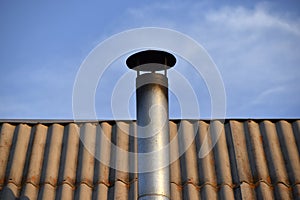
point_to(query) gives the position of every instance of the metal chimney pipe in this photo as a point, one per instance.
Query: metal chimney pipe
(153, 122)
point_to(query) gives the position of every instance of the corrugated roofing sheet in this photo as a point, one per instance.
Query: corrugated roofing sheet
(253, 159)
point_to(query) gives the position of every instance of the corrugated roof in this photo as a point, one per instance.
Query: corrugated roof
(252, 159)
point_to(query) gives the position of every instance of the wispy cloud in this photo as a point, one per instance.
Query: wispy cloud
(268, 94)
(243, 19)
(255, 49)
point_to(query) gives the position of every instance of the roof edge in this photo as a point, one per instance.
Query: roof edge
(65, 121)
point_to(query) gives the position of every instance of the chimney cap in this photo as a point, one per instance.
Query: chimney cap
(151, 60)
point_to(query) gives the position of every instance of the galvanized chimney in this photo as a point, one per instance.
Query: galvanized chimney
(153, 122)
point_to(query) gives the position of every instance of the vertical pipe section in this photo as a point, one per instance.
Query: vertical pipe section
(153, 137)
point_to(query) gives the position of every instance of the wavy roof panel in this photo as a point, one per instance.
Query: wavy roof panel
(251, 159)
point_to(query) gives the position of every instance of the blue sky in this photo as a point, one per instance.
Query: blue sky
(255, 45)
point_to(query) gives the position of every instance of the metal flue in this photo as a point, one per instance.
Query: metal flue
(153, 122)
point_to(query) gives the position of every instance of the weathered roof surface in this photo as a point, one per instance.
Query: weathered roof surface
(252, 159)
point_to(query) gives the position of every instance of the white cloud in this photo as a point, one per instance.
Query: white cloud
(240, 18)
(256, 49)
(266, 95)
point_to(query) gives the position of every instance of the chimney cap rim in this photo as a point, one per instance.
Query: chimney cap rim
(143, 60)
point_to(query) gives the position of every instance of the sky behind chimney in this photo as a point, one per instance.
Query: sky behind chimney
(254, 44)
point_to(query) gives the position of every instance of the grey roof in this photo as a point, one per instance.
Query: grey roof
(252, 159)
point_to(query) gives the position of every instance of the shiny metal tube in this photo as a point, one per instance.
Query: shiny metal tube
(153, 137)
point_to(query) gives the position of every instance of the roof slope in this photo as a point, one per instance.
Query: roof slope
(252, 159)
